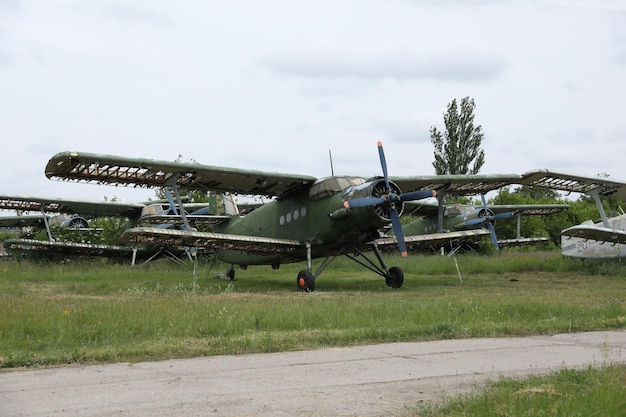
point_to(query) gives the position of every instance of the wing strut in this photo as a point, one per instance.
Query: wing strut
(596, 197)
(171, 183)
(441, 195)
(45, 222)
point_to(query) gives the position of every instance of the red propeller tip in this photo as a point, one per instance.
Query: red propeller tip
(379, 144)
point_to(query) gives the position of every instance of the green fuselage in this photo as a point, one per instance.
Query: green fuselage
(454, 218)
(321, 220)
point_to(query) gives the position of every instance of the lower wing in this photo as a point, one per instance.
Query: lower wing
(32, 247)
(210, 240)
(601, 234)
(433, 241)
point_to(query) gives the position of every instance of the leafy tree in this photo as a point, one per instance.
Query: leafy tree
(459, 145)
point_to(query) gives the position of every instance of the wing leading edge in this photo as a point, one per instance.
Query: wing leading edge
(58, 205)
(210, 240)
(434, 241)
(109, 169)
(594, 232)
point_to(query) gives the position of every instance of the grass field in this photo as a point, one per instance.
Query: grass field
(595, 391)
(89, 312)
(95, 312)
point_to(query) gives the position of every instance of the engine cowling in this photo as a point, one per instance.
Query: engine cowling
(377, 189)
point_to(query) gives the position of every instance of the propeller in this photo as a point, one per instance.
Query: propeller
(489, 219)
(390, 198)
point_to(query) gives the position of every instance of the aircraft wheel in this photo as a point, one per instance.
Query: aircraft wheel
(230, 273)
(306, 281)
(395, 279)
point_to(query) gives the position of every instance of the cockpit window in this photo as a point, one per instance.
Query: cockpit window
(332, 185)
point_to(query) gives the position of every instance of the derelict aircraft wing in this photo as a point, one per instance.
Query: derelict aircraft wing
(66, 206)
(139, 172)
(600, 240)
(22, 221)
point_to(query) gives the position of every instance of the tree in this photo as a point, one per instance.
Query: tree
(459, 145)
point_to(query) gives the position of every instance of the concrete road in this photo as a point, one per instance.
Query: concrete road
(376, 380)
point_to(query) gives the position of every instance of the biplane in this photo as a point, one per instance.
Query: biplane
(470, 216)
(308, 217)
(589, 240)
(76, 216)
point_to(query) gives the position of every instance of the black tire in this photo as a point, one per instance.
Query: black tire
(395, 279)
(305, 281)
(230, 273)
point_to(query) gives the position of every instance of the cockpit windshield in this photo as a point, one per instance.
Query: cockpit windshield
(325, 187)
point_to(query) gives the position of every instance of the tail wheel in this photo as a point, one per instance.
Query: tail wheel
(306, 281)
(230, 273)
(395, 279)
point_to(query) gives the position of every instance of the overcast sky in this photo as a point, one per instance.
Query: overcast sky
(276, 84)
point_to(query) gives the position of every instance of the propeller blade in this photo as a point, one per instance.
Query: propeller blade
(494, 239)
(363, 202)
(472, 222)
(417, 195)
(503, 215)
(383, 162)
(490, 219)
(397, 231)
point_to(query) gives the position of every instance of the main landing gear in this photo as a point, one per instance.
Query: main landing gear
(394, 276)
(306, 281)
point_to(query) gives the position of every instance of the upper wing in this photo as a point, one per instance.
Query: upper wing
(591, 231)
(434, 241)
(177, 220)
(574, 183)
(19, 221)
(421, 208)
(108, 169)
(529, 209)
(57, 205)
(456, 184)
(426, 208)
(209, 240)
(481, 184)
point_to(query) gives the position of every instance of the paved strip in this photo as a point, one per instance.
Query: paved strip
(373, 380)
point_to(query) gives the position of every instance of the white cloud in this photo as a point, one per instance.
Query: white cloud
(275, 85)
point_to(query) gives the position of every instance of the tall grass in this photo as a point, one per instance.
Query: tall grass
(98, 312)
(594, 391)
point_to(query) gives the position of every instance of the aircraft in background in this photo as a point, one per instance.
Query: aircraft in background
(76, 215)
(468, 216)
(308, 218)
(589, 240)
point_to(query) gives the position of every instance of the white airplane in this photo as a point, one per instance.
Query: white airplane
(588, 240)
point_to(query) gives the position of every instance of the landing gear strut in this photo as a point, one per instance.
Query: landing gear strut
(394, 276)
